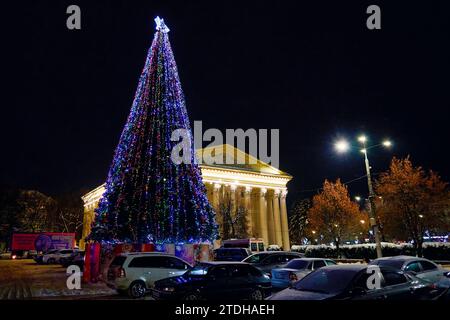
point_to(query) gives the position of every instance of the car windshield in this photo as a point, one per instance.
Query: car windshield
(326, 281)
(256, 258)
(198, 270)
(396, 264)
(297, 264)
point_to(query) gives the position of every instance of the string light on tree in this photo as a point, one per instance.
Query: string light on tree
(149, 198)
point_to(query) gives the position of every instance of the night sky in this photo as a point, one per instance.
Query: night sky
(312, 70)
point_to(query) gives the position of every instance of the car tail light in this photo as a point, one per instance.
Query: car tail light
(13, 257)
(121, 273)
(293, 277)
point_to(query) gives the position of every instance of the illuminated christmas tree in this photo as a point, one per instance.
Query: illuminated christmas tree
(148, 197)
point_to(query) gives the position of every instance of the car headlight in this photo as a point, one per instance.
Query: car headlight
(169, 289)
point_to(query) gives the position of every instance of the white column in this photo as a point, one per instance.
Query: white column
(255, 198)
(233, 200)
(263, 216)
(277, 218)
(215, 202)
(284, 221)
(248, 208)
(270, 217)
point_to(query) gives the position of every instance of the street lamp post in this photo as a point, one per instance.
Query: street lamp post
(343, 146)
(372, 215)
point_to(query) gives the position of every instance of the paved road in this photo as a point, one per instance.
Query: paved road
(24, 279)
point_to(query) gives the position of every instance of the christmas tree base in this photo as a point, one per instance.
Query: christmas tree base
(98, 257)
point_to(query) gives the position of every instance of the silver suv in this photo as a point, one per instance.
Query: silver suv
(135, 273)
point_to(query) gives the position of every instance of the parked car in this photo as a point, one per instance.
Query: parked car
(297, 269)
(135, 273)
(274, 247)
(350, 282)
(23, 254)
(76, 259)
(54, 256)
(268, 260)
(444, 283)
(18, 254)
(39, 257)
(252, 244)
(32, 254)
(231, 254)
(420, 267)
(5, 255)
(215, 280)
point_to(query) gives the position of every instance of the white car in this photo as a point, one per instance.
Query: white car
(54, 256)
(135, 273)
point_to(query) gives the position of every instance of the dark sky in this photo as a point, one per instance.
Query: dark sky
(312, 70)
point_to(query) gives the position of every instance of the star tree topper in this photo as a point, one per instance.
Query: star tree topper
(161, 26)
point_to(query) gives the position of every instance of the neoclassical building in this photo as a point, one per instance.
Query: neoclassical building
(241, 179)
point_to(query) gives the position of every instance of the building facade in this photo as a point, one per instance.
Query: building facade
(233, 176)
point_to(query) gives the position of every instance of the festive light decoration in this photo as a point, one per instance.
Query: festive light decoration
(147, 197)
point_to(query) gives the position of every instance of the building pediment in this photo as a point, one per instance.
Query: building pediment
(232, 158)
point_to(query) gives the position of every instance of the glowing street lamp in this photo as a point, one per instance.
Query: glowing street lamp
(358, 198)
(342, 146)
(387, 143)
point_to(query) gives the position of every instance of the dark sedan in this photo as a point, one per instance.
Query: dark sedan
(231, 254)
(76, 259)
(213, 281)
(268, 260)
(444, 284)
(356, 282)
(420, 267)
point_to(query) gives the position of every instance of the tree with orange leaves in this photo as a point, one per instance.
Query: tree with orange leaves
(413, 202)
(333, 215)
